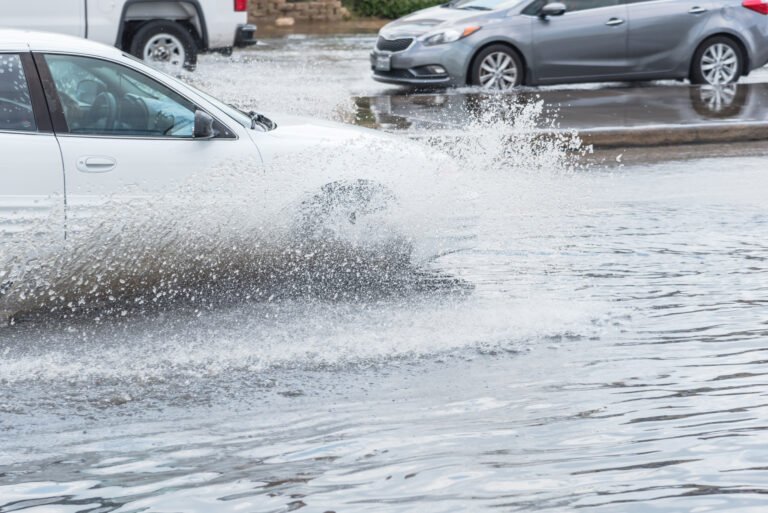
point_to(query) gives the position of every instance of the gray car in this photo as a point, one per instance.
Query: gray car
(501, 44)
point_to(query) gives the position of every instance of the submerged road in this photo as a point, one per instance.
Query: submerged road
(600, 346)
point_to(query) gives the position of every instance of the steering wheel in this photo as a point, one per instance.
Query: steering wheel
(23, 111)
(134, 113)
(104, 108)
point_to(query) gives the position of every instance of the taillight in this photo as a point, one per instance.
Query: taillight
(760, 6)
(241, 5)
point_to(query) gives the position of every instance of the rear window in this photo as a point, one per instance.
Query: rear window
(15, 104)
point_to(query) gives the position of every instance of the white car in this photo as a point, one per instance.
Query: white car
(165, 32)
(82, 123)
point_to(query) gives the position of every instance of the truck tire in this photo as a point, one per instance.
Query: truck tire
(165, 43)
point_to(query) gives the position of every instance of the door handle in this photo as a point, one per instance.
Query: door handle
(96, 164)
(697, 10)
(613, 22)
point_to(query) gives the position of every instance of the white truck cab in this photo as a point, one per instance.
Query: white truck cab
(169, 33)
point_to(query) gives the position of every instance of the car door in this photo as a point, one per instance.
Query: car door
(31, 175)
(61, 16)
(124, 134)
(663, 34)
(588, 42)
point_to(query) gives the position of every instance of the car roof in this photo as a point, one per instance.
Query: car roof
(15, 40)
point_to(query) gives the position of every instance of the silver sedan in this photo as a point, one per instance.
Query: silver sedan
(501, 44)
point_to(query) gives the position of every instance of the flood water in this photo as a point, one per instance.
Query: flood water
(600, 345)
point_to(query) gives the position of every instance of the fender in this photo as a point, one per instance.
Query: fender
(728, 25)
(194, 3)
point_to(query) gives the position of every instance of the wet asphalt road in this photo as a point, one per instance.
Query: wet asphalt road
(600, 347)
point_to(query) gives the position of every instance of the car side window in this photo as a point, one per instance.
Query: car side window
(571, 5)
(104, 98)
(583, 5)
(15, 104)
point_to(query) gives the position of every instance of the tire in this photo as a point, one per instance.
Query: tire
(724, 59)
(165, 43)
(347, 223)
(497, 68)
(340, 204)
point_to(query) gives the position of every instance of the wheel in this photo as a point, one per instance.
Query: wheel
(165, 43)
(102, 114)
(352, 218)
(338, 206)
(718, 61)
(497, 68)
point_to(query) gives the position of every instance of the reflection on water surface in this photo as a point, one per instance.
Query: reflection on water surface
(613, 361)
(606, 108)
(607, 354)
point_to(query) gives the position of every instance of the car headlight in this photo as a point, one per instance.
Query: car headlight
(449, 35)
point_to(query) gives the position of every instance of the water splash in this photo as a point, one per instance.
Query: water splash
(244, 225)
(231, 250)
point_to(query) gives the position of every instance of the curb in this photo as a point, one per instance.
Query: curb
(673, 135)
(642, 137)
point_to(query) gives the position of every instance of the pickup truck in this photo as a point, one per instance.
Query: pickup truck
(165, 33)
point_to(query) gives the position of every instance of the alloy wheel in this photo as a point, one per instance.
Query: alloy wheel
(165, 49)
(498, 71)
(719, 64)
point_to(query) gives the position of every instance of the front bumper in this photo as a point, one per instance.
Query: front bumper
(411, 66)
(245, 35)
(405, 77)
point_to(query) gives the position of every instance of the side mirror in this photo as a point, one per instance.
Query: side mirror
(203, 125)
(553, 9)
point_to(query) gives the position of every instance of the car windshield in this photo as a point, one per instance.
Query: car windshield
(238, 115)
(233, 112)
(480, 5)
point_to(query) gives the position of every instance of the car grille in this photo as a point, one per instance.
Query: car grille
(395, 73)
(393, 45)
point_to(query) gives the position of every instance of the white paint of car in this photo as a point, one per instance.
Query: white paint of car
(37, 165)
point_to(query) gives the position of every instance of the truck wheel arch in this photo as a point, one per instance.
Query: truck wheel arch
(194, 4)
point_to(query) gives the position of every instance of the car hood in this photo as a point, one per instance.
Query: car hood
(311, 130)
(295, 134)
(426, 20)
